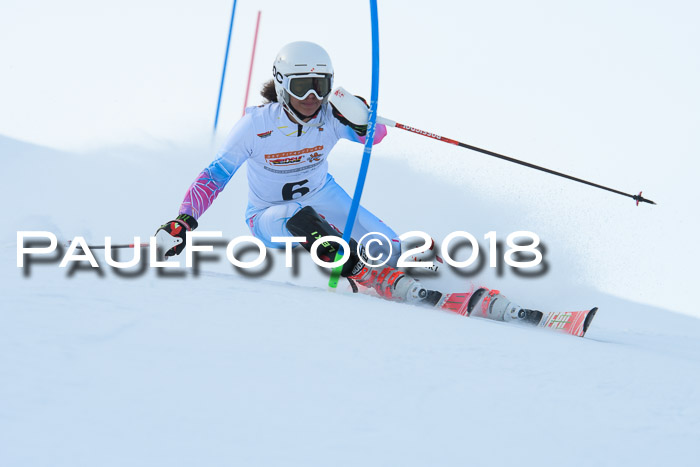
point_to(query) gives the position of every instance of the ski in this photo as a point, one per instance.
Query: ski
(575, 323)
(455, 302)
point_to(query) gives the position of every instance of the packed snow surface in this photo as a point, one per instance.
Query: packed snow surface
(218, 367)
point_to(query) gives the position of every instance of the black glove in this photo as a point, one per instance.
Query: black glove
(172, 235)
(361, 130)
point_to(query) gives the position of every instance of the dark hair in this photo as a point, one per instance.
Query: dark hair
(268, 92)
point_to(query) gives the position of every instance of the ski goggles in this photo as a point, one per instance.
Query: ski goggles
(300, 86)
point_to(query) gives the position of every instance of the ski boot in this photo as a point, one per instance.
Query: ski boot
(491, 304)
(388, 282)
(393, 284)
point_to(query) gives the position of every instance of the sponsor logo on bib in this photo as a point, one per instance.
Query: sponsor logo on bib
(295, 157)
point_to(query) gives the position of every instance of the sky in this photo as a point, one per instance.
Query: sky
(605, 91)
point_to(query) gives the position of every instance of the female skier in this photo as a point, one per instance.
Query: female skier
(286, 143)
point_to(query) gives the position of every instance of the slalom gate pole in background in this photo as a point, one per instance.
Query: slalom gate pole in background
(638, 198)
(223, 73)
(371, 124)
(252, 60)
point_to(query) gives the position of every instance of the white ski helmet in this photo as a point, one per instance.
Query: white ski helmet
(302, 68)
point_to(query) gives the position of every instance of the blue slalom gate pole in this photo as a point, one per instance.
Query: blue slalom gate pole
(223, 73)
(371, 124)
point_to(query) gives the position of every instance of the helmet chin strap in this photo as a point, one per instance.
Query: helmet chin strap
(298, 117)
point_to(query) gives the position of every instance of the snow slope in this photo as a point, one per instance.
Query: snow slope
(268, 368)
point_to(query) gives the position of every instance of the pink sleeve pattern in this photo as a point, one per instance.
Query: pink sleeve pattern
(205, 189)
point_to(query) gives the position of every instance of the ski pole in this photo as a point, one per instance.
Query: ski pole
(102, 247)
(638, 198)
